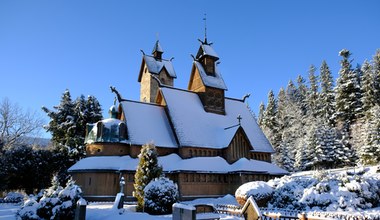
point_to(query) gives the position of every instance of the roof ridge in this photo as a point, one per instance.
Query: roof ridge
(162, 59)
(139, 102)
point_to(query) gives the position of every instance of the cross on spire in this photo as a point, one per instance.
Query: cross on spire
(205, 19)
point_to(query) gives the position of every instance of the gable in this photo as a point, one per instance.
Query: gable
(239, 147)
(155, 66)
(213, 81)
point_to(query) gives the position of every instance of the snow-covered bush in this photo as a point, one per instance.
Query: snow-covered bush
(340, 191)
(14, 197)
(160, 195)
(56, 203)
(259, 190)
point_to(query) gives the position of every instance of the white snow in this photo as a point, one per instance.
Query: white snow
(196, 127)
(208, 50)
(173, 162)
(257, 189)
(156, 66)
(147, 123)
(211, 81)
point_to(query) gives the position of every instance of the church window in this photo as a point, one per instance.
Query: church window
(98, 150)
(185, 177)
(89, 181)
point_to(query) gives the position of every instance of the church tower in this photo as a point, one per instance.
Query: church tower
(155, 71)
(206, 80)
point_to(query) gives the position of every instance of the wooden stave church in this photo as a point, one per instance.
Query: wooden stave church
(207, 143)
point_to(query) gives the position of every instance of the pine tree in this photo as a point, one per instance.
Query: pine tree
(369, 153)
(62, 119)
(346, 92)
(68, 123)
(147, 170)
(313, 95)
(261, 114)
(327, 97)
(301, 94)
(368, 98)
(376, 73)
(269, 123)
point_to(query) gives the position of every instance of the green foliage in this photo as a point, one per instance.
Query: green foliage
(68, 128)
(26, 168)
(68, 122)
(147, 170)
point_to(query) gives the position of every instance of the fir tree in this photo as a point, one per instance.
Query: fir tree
(68, 123)
(261, 114)
(147, 170)
(327, 97)
(313, 95)
(269, 123)
(346, 92)
(369, 153)
(368, 98)
(301, 94)
(376, 72)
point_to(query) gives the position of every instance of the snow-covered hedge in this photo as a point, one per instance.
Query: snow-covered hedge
(159, 196)
(342, 191)
(259, 190)
(13, 197)
(56, 203)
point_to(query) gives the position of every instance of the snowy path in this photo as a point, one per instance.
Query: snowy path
(8, 211)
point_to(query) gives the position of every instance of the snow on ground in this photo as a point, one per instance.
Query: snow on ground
(8, 211)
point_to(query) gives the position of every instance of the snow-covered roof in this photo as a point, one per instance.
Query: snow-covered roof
(196, 127)
(156, 65)
(207, 50)
(174, 163)
(146, 123)
(211, 80)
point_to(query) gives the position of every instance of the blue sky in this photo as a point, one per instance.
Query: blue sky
(86, 46)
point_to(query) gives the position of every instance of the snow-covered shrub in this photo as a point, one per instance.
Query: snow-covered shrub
(56, 203)
(328, 192)
(14, 197)
(160, 195)
(289, 191)
(259, 190)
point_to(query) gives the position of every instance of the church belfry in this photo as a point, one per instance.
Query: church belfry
(153, 69)
(206, 80)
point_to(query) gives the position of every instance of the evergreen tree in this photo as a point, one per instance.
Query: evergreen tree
(346, 92)
(261, 114)
(376, 72)
(369, 153)
(368, 98)
(313, 95)
(68, 123)
(147, 170)
(301, 94)
(269, 123)
(327, 97)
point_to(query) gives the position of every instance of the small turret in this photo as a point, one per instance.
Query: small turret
(161, 69)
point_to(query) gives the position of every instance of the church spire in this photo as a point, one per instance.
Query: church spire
(157, 50)
(205, 19)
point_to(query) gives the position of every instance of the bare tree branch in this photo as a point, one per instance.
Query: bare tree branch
(15, 123)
